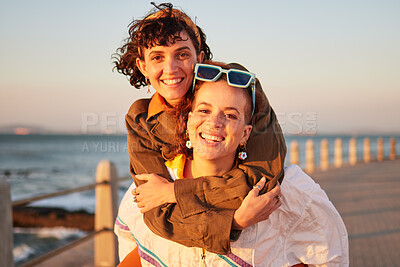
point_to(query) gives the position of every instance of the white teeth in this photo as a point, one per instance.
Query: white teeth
(211, 137)
(172, 81)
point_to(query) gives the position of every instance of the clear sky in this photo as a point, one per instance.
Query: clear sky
(326, 66)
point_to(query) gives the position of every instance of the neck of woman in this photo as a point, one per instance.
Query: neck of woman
(172, 103)
(199, 167)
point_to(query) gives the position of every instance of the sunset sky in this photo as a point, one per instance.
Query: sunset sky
(326, 66)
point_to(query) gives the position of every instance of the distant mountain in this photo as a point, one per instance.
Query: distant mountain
(25, 129)
(21, 129)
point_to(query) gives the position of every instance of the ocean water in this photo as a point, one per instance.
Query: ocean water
(38, 164)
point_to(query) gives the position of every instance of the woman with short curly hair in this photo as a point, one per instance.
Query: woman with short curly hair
(162, 51)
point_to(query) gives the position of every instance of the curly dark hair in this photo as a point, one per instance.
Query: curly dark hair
(181, 136)
(149, 32)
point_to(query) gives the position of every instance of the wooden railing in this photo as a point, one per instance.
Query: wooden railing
(105, 246)
(324, 162)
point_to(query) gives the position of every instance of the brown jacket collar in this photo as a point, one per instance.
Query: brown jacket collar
(156, 105)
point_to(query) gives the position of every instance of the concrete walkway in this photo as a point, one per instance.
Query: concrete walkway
(366, 195)
(79, 256)
(368, 198)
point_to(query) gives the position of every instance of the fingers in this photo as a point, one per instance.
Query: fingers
(140, 204)
(143, 177)
(257, 188)
(278, 204)
(135, 192)
(274, 197)
(143, 208)
(137, 199)
(276, 191)
(149, 177)
(135, 195)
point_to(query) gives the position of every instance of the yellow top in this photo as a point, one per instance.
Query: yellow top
(177, 165)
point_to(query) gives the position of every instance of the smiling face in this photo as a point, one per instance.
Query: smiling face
(216, 125)
(170, 68)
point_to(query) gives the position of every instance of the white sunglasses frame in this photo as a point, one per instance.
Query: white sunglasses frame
(221, 70)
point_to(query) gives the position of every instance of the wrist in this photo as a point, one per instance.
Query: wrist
(237, 222)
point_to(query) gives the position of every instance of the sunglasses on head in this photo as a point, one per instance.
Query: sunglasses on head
(234, 77)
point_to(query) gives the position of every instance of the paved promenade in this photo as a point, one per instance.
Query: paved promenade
(366, 195)
(368, 198)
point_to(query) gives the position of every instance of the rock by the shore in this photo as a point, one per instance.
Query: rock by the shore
(52, 217)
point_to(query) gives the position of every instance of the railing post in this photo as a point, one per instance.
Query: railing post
(309, 156)
(392, 148)
(105, 245)
(338, 153)
(367, 150)
(353, 151)
(324, 155)
(294, 152)
(6, 226)
(379, 155)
